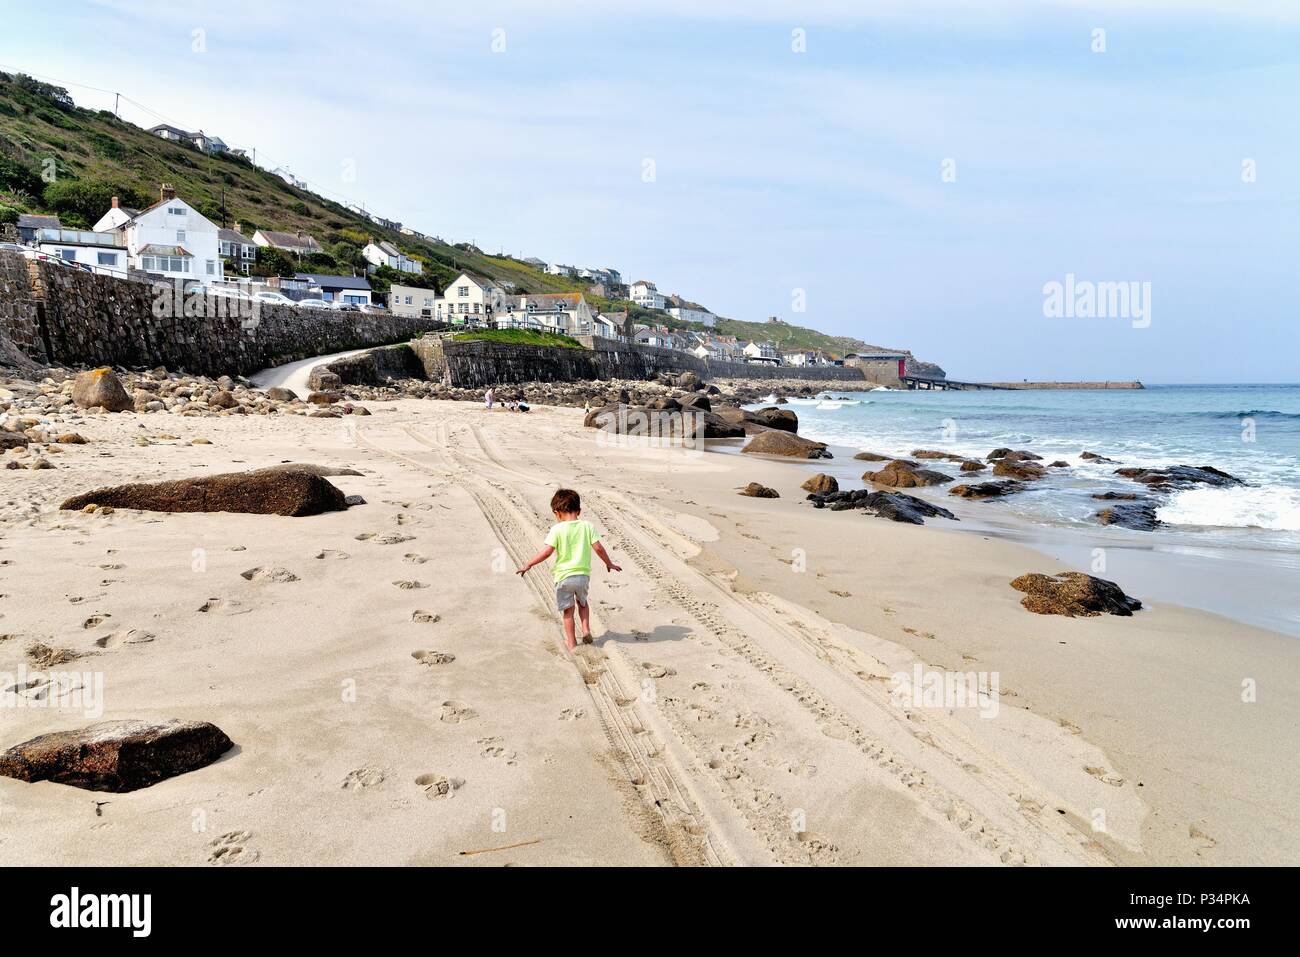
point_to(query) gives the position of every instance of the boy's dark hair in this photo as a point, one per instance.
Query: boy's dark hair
(566, 502)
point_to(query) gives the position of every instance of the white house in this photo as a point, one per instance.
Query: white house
(238, 248)
(805, 357)
(412, 301)
(559, 269)
(646, 336)
(469, 296)
(763, 352)
(646, 295)
(286, 174)
(101, 251)
(567, 312)
(209, 144)
(384, 253)
(170, 239)
(298, 244)
(684, 314)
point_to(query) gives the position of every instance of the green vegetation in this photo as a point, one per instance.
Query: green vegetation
(519, 337)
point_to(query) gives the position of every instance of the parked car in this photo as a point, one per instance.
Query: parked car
(225, 292)
(12, 248)
(345, 306)
(372, 307)
(273, 298)
(313, 304)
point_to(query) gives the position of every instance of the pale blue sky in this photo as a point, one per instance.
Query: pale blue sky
(778, 170)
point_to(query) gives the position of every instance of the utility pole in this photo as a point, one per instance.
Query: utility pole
(117, 104)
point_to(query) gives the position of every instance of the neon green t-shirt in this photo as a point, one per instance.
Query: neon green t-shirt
(572, 542)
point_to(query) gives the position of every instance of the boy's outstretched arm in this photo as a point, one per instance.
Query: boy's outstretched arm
(537, 559)
(599, 549)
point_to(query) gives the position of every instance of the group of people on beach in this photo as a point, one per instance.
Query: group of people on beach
(514, 402)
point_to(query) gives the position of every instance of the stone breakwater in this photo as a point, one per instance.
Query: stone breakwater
(54, 315)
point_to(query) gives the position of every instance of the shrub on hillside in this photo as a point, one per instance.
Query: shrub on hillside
(8, 215)
(90, 198)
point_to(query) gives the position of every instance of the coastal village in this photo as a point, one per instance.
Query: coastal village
(172, 240)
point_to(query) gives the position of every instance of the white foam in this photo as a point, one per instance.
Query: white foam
(1272, 507)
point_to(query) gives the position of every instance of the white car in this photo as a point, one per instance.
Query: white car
(273, 298)
(313, 304)
(225, 292)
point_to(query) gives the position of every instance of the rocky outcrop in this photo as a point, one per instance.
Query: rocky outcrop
(776, 442)
(1074, 595)
(987, 490)
(1094, 457)
(291, 493)
(871, 457)
(821, 483)
(755, 490)
(903, 474)
(116, 756)
(894, 506)
(1177, 477)
(970, 465)
(101, 388)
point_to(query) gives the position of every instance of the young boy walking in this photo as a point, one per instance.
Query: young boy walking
(571, 541)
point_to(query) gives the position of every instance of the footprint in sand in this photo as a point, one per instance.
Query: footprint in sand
(572, 714)
(657, 671)
(269, 574)
(231, 849)
(224, 606)
(425, 617)
(841, 594)
(393, 539)
(1203, 840)
(363, 778)
(414, 559)
(432, 658)
(494, 749)
(456, 712)
(438, 786)
(331, 553)
(410, 585)
(1106, 777)
(94, 621)
(126, 636)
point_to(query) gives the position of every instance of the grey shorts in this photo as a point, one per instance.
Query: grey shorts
(572, 589)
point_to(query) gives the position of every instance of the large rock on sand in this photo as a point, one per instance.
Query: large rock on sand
(1074, 595)
(986, 490)
(775, 418)
(1139, 515)
(269, 492)
(757, 490)
(103, 389)
(903, 474)
(894, 506)
(1021, 470)
(1181, 477)
(821, 483)
(776, 442)
(116, 755)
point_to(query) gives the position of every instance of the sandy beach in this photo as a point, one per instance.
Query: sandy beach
(735, 709)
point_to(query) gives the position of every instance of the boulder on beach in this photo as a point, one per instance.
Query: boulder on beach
(696, 400)
(1139, 515)
(774, 418)
(903, 474)
(777, 442)
(986, 490)
(279, 394)
(12, 440)
(101, 388)
(325, 471)
(970, 465)
(271, 492)
(1074, 595)
(689, 381)
(871, 457)
(1013, 455)
(1094, 457)
(322, 380)
(821, 483)
(324, 398)
(1021, 470)
(116, 756)
(755, 490)
(1116, 496)
(895, 506)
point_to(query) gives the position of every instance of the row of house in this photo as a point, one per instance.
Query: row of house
(208, 144)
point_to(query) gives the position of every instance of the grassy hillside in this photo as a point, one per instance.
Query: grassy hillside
(56, 157)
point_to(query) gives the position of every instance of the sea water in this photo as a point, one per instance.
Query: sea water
(1235, 551)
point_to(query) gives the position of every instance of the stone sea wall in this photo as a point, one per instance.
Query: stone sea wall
(478, 364)
(57, 315)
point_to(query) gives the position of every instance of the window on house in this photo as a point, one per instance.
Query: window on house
(69, 255)
(180, 235)
(462, 291)
(107, 259)
(212, 268)
(176, 210)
